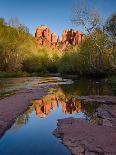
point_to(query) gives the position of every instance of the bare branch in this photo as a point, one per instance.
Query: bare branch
(85, 16)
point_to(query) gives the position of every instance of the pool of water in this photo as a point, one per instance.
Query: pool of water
(31, 134)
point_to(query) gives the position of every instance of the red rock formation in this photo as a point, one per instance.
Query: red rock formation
(44, 37)
(53, 40)
(53, 37)
(72, 37)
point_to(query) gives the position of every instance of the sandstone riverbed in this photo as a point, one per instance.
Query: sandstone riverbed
(96, 136)
(86, 112)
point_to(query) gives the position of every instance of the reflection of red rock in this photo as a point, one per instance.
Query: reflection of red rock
(39, 111)
(64, 107)
(44, 106)
(53, 105)
(47, 108)
(53, 97)
(71, 107)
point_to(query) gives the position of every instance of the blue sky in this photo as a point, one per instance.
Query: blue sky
(55, 14)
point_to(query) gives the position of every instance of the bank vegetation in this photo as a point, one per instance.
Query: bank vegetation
(19, 56)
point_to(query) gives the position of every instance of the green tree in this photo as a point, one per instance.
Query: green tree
(15, 45)
(90, 19)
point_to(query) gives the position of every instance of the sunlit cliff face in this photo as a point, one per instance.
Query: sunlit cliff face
(44, 106)
(45, 37)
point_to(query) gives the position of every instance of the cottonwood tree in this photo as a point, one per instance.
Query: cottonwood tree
(83, 15)
(90, 20)
(15, 23)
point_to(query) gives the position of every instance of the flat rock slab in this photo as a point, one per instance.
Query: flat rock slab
(11, 107)
(106, 116)
(96, 98)
(83, 138)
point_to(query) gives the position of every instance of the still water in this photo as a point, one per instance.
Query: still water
(31, 134)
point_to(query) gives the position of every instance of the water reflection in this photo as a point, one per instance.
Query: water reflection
(88, 87)
(65, 96)
(32, 131)
(24, 118)
(43, 108)
(55, 99)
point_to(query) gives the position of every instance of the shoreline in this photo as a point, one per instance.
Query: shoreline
(13, 106)
(77, 134)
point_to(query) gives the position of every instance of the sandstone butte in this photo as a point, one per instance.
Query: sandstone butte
(45, 37)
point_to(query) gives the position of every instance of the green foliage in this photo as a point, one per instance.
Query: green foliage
(88, 60)
(96, 61)
(69, 63)
(15, 45)
(18, 52)
(42, 61)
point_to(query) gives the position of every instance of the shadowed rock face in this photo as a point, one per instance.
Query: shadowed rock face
(45, 37)
(72, 37)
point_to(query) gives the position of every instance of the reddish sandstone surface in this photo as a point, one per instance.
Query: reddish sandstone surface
(11, 107)
(94, 137)
(45, 37)
(83, 138)
(79, 135)
(72, 37)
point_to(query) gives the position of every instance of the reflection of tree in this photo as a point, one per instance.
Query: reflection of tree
(65, 95)
(86, 87)
(24, 118)
(69, 103)
(90, 111)
(50, 102)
